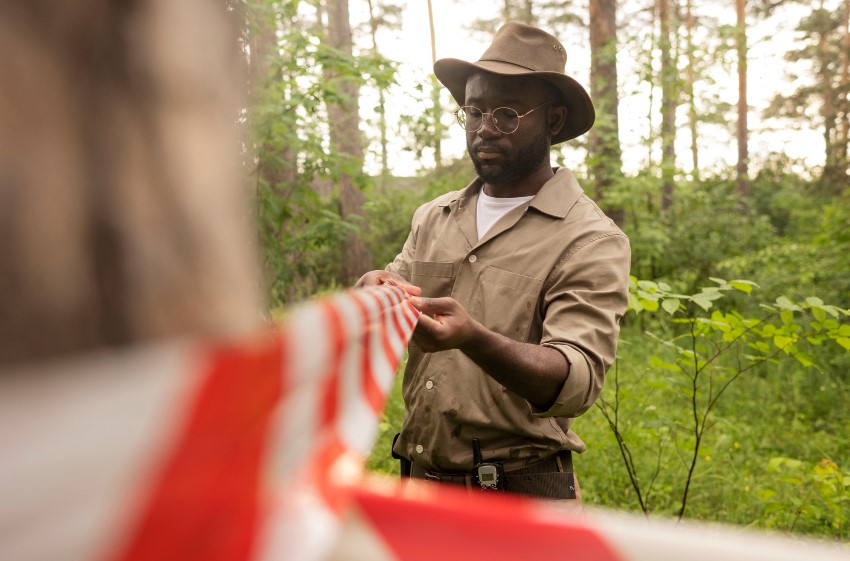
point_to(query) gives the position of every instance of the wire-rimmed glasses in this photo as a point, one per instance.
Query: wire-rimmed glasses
(505, 119)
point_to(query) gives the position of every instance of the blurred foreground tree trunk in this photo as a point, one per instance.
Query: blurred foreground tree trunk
(137, 229)
(344, 122)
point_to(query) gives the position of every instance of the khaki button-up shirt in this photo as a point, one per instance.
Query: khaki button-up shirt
(553, 271)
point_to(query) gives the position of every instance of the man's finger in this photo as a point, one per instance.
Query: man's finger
(427, 323)
(404, 285)
(430, 305)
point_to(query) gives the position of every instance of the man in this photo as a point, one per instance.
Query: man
(521, 279)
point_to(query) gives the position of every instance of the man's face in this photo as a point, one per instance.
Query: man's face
(501, 158)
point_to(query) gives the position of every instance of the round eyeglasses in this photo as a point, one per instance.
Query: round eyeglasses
(505, 119)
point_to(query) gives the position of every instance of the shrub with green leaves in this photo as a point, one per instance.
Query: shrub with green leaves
(665, 403)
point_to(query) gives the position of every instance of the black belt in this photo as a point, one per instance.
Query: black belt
(551, 478)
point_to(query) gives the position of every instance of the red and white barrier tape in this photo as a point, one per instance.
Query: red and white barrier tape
(184, 451)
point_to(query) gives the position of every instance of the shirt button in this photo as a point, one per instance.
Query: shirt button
(419, 448)
(473, 258)
(429, 384)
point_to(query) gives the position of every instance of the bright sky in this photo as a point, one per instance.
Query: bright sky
(766, 75)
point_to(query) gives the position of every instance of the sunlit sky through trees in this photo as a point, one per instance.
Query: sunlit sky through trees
(768, 73)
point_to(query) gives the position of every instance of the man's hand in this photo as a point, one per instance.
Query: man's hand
(444, 324)
(377, 278)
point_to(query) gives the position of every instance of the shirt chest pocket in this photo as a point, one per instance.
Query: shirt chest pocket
(433, 277)
(508, 301)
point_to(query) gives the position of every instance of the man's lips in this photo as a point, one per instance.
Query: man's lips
(488, 153)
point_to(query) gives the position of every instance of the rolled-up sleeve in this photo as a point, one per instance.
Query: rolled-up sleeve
(402, 264)
(582, 307)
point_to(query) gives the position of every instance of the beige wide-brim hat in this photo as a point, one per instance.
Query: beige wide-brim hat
(521, 50)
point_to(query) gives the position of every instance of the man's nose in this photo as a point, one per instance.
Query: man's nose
(488, 126)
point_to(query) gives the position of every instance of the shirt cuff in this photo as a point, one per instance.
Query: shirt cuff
(573, 395)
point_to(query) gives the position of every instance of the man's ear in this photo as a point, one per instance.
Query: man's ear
(557, 118)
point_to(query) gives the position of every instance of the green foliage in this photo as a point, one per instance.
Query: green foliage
(680, 406)
(817, 492)
(289, 155)
(390, 210)
(808, 253)
(821, 55)
(423, 130)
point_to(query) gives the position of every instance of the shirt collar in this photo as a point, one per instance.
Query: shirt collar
(555, 198)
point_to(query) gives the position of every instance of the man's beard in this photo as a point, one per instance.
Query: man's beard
(525, 161)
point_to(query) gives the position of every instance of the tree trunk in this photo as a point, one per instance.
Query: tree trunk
(742, 184)
(668, 106)
(436, 88)
(650, 112)
(382, 116)
(844, 93)
(692, 103)
(605, 153)
(344, 119)
(263, 48)
(527, 15)
(829, 115)
(523, 13)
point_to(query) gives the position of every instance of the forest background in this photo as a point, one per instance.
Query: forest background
(730, 397)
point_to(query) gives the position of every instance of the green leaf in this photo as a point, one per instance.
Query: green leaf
(787, 316)
(786, 304)
(712, 293)
(650, 305)
(844, 342)
(805, 359)
(659, 363)
(743, 285)
(814, 301)
(760, 346)
(671, 305)
(702, 300)
(781, 341)
(647, 285)
(635, 303)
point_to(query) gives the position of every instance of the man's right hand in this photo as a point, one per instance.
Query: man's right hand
(377, 278)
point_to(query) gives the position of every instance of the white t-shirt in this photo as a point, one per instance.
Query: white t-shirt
(491, 209)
